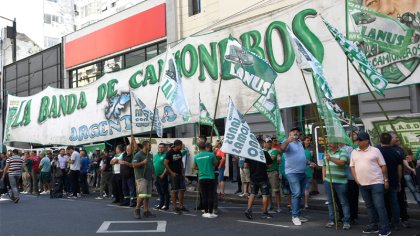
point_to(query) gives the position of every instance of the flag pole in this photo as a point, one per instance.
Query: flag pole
(321, 126)
(375, 98)
(348, 74)
(215, 109)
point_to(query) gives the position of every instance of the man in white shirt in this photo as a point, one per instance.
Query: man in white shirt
(74, 161)
(62, 160)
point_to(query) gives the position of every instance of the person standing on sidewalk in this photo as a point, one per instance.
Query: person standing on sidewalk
(162, 185)
(74, 161)
(394, 166)
(143, 171)
(295, 167)
(259, 182)
(173, 164)
(205, 162)
(45, 165)
(273, 176)
(36, 170)
(127, 175)
(116, 178)
(337, 173)
(26, 178)
(62, 159)
(222, 157)
(352, 188)
(84, 167)
(369, 171)
(13, 169)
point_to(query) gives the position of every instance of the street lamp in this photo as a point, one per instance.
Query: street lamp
(11, 33)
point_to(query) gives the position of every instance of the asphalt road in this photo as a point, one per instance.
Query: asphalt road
(88, 216)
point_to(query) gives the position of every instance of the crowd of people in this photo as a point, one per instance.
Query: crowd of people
(127, 173)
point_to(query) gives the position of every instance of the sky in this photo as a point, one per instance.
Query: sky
(29, 17)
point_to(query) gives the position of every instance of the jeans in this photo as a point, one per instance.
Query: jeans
(353, 197)
(412, 188)
(35, 182)
(297, 183)
(207, 196)
(128, 188)
(341, 190)
(14, 182)
(162, 188)
(391, 204)
(84, 183)
(373, 195)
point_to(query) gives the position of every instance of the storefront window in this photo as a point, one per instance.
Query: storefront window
(134, 58)
(151, 52)
(112, 65)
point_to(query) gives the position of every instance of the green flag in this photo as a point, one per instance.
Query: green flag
(204, 117)
(254, 72)
(268, 107)
(367, 24)
(359, 60)
(325, 102)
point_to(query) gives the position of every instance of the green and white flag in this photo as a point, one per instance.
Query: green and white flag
(254, 72)
(359, 60)
(325, 103)
(204, 117)
(268, 107)
(367, 24)
(238, 139)
(142, 116)
(171, 86)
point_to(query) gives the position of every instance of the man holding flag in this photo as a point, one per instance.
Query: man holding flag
(259, 182)
(295, 167)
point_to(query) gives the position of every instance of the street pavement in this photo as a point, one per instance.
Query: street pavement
(88, 216)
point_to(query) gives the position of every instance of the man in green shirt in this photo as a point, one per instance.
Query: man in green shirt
(161, 178)
(338, 160)
(26, 179)
(205, 162)
(273, 174)
(143, 173)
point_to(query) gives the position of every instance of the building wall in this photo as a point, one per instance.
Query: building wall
(397, 101)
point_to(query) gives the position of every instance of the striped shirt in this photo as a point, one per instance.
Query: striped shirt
(15, 165)
(338, 173)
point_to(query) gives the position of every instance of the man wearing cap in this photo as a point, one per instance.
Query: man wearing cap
(369, 171)
(295, 167)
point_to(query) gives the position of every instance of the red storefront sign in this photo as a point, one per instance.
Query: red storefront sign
(132, 31)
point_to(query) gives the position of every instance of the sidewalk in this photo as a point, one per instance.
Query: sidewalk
(316, 202)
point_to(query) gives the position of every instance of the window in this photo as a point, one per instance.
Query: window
(134, 58)
(49, 19)
(50, 41)
(194, 7)
(113, 64)
(87, 74)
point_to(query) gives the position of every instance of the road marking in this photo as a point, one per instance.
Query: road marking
(260, 223)
(126, 207)
(160, 228)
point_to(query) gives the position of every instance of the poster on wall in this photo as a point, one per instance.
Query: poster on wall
(100, 111)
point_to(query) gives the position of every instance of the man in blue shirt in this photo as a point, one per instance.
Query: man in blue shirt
(84, 166)
(295, 166)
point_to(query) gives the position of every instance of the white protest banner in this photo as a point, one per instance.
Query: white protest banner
(238, 139)
(100, 111)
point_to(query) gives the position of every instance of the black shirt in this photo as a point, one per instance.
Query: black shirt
(107, 163)
(175, 161)
(125, 170)
(392, 159)
(258, 170)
